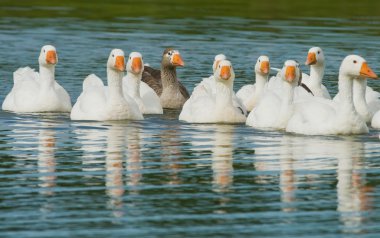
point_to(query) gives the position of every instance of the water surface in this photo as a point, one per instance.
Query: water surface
(161, 177)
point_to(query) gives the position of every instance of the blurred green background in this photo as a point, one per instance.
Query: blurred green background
(256, 9)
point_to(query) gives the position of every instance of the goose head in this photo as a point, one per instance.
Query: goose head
(48, 56)
(262, 65)
(217, 60)
(135, 64)
(172, 58)
(116, 60)
(291, 72)
(315, 56)
(224, 72)
(355, 66)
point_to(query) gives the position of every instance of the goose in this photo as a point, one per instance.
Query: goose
(365, 105)
(206, 107)
(165, 83)
(326, 117)
(102, 103)
(38, 91)
(316, 61)
(145, 97)
(274, 110)
(251, 93)
(209, 84)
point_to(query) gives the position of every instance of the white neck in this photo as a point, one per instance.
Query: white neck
(47, 76)
(345, 90)
(360, 103)
(261, 81)
(316, 73)
(223, 95)
(286, 104)
(134, 85)
(114, 79)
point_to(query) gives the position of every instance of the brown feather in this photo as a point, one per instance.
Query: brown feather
(152, 77)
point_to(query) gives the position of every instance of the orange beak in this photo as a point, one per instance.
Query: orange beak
(225, 72)
(120, 64)
(177, 60)
(367, 72)
(311, 59)
(51, 57)
(290, 73)
(264, 67)
(136, 65)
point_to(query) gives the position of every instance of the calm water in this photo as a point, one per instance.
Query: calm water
(161, 177)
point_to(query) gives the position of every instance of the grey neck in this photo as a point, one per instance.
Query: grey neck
(169, 76)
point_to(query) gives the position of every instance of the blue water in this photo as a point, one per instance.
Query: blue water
(161, 177)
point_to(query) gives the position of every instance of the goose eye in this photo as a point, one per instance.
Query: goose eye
(219, 66)
(230, 66)
(319, 52)
(130, 57)
(113, 55)
(169, 53)
(44, 51)
(259, 60)
(355, 61)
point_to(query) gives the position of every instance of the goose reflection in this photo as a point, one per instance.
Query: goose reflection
(134, 165)
(299, 154)
(115, 153)
(46, 159)
(222, 152)
(99, 140)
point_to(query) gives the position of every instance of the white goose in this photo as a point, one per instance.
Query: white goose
(326, 117)
(274, 110)
(366, 105)
(101, 103)
(250, 94)
(145, 97)
(316, 60)
(38, 92)
(209, 84)
(207, 107)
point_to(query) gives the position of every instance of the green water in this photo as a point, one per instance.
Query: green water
(256, 9)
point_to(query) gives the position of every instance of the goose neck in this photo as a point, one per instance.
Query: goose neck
(168, 76)
(47, 75)
(114, 80)
(359, 90)
(345, 85)
(134, 84)
(223, 95)
(261, 81)
(316, 73)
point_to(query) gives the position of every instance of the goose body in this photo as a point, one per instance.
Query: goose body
(326, 117)
(205, 106)
(274, 109)
(101, 103)
(250, 94)
(145, 97)
(38, 91)
(165, 83)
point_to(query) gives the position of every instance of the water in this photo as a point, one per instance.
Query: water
(161, 177)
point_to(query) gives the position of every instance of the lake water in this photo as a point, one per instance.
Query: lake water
(161, 177)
